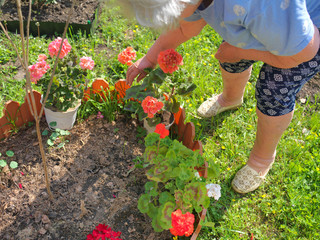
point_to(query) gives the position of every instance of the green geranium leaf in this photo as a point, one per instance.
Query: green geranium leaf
(50, 142)
(151, 139)
(45, 133)
(54, 136)
(13, 164)
(166, 197)
(3, 163)
(198, 208)
(164, 214)
(9, 153)
(150, 185)
(153, 210)
(143, 203)
(172, 158)
(132, 106)
(157, 76)
(64, 132)
(53, 124)
(185, 173)
(156, 224)
(185, 88)
(153, 121)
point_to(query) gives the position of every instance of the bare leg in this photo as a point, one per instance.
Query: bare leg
(269, 132)
(233, 86)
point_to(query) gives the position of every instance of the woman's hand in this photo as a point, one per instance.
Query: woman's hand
(136, 70)
(228, 53)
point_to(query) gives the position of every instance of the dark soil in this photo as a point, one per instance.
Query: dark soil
(310, 90)
(83, 11)
(90, 180)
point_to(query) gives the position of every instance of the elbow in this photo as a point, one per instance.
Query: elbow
(310, 51)
(192, 29)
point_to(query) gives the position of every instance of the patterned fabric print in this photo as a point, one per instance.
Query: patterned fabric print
(276, 88)
(246, 180)
(237, 67)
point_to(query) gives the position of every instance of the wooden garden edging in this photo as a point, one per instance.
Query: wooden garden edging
(16, 115)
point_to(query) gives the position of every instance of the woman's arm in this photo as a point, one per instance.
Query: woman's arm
(229, 53)
(174, 38)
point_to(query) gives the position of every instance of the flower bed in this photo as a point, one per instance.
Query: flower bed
(185, 131)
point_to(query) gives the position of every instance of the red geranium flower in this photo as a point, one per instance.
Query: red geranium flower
(103, 232)
(151, 106)
(161, 129)
(126, 56)
(182, 224)
(169, 60)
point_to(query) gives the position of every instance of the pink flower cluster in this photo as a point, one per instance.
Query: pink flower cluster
(99, 115)
(86, 63)
(55, 46)
(38, 69)
(103, 232)
(151, 106)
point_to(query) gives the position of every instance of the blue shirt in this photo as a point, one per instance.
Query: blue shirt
(282, 27)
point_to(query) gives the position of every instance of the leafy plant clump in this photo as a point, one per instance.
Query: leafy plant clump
(175, 183)
(103, 103)
(160, 85)
(4, 163)
(69, 81)
(57, 137)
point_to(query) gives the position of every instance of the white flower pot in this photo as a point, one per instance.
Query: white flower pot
(151, 129)
(64, 120)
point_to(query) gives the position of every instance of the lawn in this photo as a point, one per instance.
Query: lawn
(286, 206)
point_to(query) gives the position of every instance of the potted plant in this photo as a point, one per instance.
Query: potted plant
(176, 192)
(68, 84)
(158, 93)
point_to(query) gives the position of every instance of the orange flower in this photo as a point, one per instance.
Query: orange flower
(182, 224)
(161, 129)
(126, 56)
(169, 60)
(151, 106)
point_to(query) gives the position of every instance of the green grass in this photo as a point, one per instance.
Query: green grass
(286, 206)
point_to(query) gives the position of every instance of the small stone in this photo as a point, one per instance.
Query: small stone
(45, 219)
(110, 185)
(44, 194)
(302, 100)
(52, 215)
(37, 216)
(47, 226)
(78, 188)
(81, 225)
(42, 231)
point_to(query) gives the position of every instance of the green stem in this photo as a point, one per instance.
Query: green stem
(158, 147)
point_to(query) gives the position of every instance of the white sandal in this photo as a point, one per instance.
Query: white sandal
(211, 107)
(247, 179)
